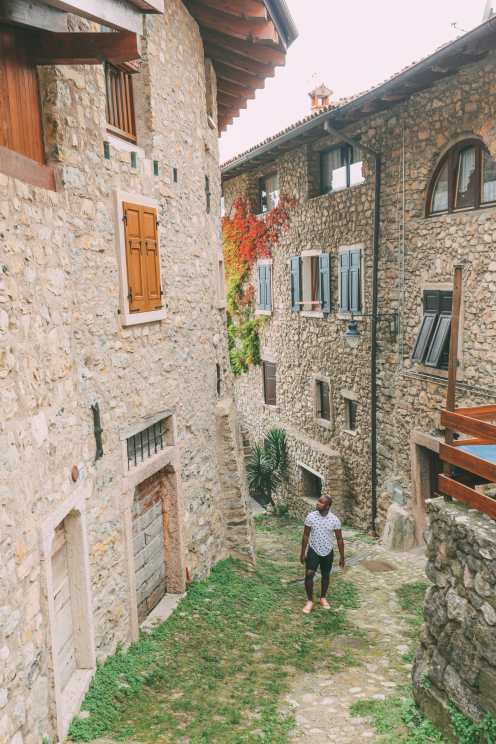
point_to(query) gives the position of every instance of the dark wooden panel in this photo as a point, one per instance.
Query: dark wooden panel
(469, 496)
(25, 169)
(84, 48)
(458, 422)
(466, 461)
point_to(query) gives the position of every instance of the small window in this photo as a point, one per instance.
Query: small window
(269, 382)
(268, 193)
(221, 283)
(432, 343)
(464, 179)
(145, 444)
(340, 168)
(142, 258)
(322, 400)
(219, 379)
(208, 194)
(350, 281)
(310, 283)
(264, 286)
(311, 484)
(350, 414)
(120, 102)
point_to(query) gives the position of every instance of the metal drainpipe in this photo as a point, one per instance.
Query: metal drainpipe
(375, 288)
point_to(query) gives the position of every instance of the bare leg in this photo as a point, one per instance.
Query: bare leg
(309, 584)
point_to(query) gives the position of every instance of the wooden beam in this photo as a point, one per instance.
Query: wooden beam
(239, 48)
(467, 425)
(238, 76)
(453, 347)
(478, 411)
(149, 6)
(228, 58)
(248, 9)
(85, 48)
(466, 461)
(235, 27)
(18, 166)
(235, 90)
(118, 14)
(33, 14)
(469, 496)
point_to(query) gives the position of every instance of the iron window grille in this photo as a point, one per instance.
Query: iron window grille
(351, 414)
(145, 444)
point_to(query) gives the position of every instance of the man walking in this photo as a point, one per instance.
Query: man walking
(318, 537)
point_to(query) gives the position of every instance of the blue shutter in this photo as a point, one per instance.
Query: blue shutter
(268, 287)
(344, 282)
(259, 287)
(355, 281)
(295, 284)
(325, 283)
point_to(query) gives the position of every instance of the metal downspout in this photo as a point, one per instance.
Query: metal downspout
(375, 303)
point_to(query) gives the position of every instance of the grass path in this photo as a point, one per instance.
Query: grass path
(218, 670)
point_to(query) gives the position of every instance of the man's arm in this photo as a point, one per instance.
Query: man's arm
(304, 543)
(340, 541)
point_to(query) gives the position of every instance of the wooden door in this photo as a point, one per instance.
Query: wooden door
(65, 650)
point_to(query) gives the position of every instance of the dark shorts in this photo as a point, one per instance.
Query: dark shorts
(314, 560)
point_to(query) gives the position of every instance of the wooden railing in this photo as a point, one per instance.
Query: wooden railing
(466, 469)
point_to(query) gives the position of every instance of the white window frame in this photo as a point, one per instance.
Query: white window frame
(344, 249)
(326, 423)
(306, 287)
(259, 311)
(127, 317)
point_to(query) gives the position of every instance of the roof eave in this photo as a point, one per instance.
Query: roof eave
(283, 21)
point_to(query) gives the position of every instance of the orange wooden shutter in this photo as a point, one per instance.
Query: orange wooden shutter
(151, 257)
(136, 279)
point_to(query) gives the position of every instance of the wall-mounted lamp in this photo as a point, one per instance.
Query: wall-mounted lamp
(352, 333)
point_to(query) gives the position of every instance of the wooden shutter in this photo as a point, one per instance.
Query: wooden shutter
(439, 338)
(259, 286)
(20, 109)
(344, 282)
(269, 379)
(142, 258)
(355, 281)
(63, 634)
(424, 336)
(325, 282)
(152, 257)
(263, 287)
(295, 285)
(268, 286)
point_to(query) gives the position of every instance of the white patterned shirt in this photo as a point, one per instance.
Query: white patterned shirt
(322, 531)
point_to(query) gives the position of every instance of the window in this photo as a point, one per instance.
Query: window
(350, 414)
(311, 484)
(221, 284)
(464, 179)
(142, 258)
(311, 283)
(350, 280)
(120, 102)
(219, 379)
(340, 168)
(145, 444)
(268, 193)
(269, 380)
(322, 400)
(208, 194)
(432, 344)
(264, 286)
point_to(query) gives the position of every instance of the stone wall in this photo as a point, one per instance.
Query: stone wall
(456, 661)
(63, 348)
(416, 252)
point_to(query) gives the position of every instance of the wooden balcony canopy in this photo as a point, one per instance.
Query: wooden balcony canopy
(246, 40)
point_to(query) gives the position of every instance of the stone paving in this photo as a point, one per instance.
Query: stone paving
(321, 704)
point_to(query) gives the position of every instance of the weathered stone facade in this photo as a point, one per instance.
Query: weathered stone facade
(415, 253)
(457, 658)
(64, 348)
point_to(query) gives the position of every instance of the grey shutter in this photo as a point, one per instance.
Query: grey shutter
(269, 379)
(424, 337)
(259, 287)
(295, 284)
(325, 283)
(344, 282)
(439, 339)
(355, 281)
(268, 287)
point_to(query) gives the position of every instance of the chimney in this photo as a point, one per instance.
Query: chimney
(320, 97)
(488, 11)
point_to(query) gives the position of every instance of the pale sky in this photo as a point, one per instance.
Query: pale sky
(350, 46)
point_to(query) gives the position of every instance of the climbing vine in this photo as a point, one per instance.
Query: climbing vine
(247, 238)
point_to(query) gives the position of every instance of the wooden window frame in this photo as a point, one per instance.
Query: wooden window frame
(120, 103)
(266, 367)
(452, 159)
(127, 317)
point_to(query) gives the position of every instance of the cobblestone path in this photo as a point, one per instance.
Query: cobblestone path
(321, 704)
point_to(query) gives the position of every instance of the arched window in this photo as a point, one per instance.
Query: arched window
(464, 179)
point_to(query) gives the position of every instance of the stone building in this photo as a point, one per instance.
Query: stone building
(120, 467)
(393, 188)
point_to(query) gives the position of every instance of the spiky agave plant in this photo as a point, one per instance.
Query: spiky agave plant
(275, 447)
(262, 478)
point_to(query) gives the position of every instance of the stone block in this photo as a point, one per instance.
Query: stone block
(399, 530)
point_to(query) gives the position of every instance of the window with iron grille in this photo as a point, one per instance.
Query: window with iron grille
(120, 103)
(145, 444)
(351, 411)
(322, 400)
